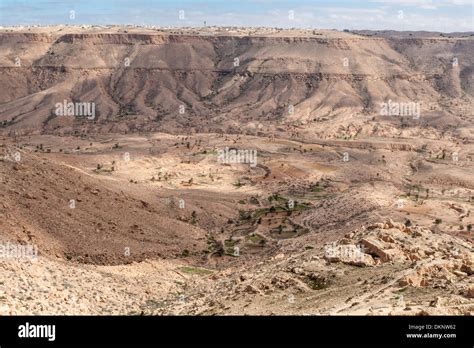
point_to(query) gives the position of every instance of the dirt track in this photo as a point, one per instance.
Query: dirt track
(134, 212)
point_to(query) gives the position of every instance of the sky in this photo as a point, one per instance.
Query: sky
(431, 15)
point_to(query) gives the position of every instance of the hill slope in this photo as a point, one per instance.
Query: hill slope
(139, 79)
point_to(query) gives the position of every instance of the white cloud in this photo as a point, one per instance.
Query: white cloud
(417, 3)
(425, 4)
(460, 2)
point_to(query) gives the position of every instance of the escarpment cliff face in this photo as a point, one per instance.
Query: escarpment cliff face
(208, 82)
(264, 171)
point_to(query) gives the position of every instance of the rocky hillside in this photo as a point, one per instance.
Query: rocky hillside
(166, 80)
(71, 215)
(399, 271)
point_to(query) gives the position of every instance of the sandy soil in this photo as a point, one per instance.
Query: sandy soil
(345, 211)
